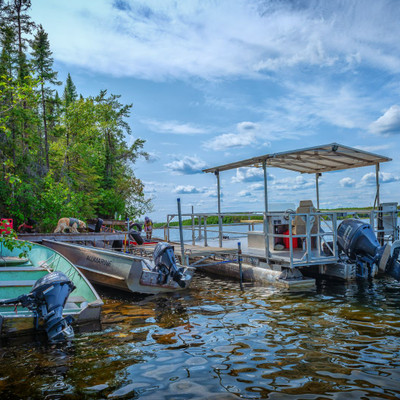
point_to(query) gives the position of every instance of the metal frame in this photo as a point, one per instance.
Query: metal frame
(311, 160)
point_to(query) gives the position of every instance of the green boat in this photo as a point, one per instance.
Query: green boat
(26, 284)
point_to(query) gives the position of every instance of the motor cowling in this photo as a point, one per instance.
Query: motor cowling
(357, 238)
(358, 241)
(164, 261)
(51, 292)
(47, 300)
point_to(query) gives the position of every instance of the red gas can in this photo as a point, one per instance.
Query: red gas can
(286, 240)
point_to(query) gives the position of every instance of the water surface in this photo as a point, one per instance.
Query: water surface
(213, 341)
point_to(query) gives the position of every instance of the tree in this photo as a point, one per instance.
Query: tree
(42, 61)
(70, 93)
(14, 14)
(59, 156)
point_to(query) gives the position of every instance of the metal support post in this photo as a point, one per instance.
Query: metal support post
(266, 228)
(199, 221)
(181, 232)
(193, 232)
(219, 209)
(317, 175)
(381, 234)
(240, 265)
(205, 231)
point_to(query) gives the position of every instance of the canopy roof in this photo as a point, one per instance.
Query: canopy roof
(311, 160)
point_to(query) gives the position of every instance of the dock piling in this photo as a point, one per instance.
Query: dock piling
(181, 231)
(240, 265)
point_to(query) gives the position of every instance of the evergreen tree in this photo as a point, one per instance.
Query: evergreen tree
(69, 97)
(15, 14)
(86, 167)
(70, 93)
(15, 19)
(43, 62)
(8, 62)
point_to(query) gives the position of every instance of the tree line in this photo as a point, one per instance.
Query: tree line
(61, 154)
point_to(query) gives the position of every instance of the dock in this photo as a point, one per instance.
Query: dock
(73, 237)
(223, 261)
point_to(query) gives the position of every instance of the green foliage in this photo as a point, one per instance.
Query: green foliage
(64, 157)
(10, 242)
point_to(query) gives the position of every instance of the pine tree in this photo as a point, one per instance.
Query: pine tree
(43, 62)
(70, 93)
(8, 62)
(15, 15)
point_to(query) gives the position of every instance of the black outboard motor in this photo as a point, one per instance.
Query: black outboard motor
(47, 300)
(164, 260)
(99, 224)
(358, 241)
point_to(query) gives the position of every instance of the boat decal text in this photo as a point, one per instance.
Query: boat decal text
(99, 260)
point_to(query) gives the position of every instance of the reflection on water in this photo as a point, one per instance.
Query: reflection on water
(213, 341)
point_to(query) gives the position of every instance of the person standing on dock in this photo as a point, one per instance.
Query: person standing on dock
(148, 227)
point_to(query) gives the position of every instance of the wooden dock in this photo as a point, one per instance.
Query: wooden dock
(73, 237)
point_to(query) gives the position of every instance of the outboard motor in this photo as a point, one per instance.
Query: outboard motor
(99, 224)
(47, 300)
(164, 261)
(358, 241)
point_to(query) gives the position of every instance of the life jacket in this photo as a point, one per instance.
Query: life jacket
(73, 221)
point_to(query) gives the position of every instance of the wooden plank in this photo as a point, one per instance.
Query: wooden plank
(73, 237)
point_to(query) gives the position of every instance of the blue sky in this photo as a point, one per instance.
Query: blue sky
(213, 82)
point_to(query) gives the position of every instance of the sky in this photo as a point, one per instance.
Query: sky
(218, 81)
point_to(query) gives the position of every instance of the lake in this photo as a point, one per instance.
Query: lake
(214, 341)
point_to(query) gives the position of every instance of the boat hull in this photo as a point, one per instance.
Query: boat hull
(117, 270)
(17, 278)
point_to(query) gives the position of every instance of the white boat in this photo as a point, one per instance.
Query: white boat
(125, 271)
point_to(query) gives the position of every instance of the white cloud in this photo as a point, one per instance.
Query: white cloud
(248, 175)
(160, 40)
(388, 123)
(347, 182)
(213, 193)
(256, 186)
(245, 193)
(151, 187)
(173, 127)
(295, 184)
(230, 140)
(187, 166)
(384, 177)
(188, 189)
(248, 134)
(153, 157)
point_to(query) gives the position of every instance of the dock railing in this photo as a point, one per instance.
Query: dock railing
(314, 244)
(202, 231)
(317, 244)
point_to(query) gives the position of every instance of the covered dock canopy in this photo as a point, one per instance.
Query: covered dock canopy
(311, 160)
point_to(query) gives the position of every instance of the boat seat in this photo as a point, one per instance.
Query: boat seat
(76, 299)
(305, 207)
(12, 260)
(22, 269)
(17, 283)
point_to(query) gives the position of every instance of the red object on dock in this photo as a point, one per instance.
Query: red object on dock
(6, 225)
(286, 242)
